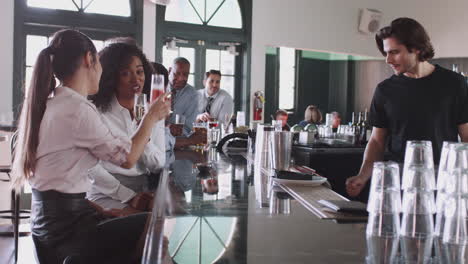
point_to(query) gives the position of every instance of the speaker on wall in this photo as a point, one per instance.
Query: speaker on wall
(369, 20)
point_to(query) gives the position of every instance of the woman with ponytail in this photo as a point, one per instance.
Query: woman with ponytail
(61, 136)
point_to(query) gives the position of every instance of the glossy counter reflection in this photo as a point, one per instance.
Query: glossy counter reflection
(200, 214)
(212, 217)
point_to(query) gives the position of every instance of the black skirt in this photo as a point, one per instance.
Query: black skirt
(66, 225)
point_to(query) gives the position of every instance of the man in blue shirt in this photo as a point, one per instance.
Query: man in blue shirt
(184, 102)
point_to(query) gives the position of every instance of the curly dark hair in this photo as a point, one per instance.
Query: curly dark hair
(115, 57)
(409, 33)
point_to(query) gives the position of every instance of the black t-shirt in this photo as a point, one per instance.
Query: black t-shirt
(428, 108)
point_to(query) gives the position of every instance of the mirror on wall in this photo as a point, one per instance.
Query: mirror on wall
(295, 79)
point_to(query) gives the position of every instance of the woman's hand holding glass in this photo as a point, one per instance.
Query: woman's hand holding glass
(160, 108)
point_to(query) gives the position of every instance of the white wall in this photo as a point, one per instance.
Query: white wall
(331, 25)
(6, 63)
(445, 21)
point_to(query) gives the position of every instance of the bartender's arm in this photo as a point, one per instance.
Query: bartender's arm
(374, 152)
(463, 132)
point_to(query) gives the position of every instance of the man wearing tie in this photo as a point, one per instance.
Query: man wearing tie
(213, 102)
(183, 94)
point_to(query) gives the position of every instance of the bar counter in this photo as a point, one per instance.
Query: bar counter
(230, 227)
(225, 224)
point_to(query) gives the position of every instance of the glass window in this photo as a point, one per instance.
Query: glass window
(223, 61)
(182, 11)
(168, 56)
(212, 59)
(188, 53)
(220, 13)
(117, 8)
(211, 7)
(287, 70)
(227, 84)
(53, 4)
(34, 45)
(228, 15)
(227, 63)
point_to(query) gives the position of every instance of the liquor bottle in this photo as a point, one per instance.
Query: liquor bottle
(353, 121)
(354, 124)
(362, 128)
(359, 124)
(368, 127)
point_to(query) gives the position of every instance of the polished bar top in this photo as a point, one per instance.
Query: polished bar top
(230, 226)
(213, 217)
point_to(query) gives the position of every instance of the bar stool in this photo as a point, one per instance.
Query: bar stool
(15, 213)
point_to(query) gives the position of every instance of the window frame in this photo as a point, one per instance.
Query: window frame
(44, 22)
(208, 19)
(211, 36)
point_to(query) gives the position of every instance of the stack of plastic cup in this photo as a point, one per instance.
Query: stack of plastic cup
(384, 200)
(452, 191)
(455, 204)
(418, 205)
(441, 190)
(418, 187)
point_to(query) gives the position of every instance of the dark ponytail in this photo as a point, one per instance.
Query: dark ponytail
(60, 59)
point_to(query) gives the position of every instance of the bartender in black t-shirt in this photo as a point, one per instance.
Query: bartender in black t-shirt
(420, 101)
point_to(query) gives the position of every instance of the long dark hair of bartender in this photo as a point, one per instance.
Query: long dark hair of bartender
(60, 137)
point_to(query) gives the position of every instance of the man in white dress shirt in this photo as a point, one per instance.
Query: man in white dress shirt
(214, 103)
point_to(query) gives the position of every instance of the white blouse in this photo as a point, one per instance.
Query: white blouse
(118, 119)
(72, 138)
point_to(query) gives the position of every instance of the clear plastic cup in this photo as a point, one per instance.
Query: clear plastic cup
(448, 253)
(419, 153)
(418, 202)
(277, 124)
(381, 201)
(381, 249)
(385, 176)
(440, 217)
(418, 177)
(442, 172)
(179, 119)
(383, 225)
(455, 225)
(457, 157)
(213, 136)
(416, 250)
(457, 182)
(417, 225)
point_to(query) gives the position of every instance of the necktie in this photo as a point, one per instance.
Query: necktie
(208, 105)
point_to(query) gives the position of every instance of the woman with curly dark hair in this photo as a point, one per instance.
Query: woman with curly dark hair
(125, 73)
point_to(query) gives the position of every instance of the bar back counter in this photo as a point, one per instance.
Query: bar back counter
(333, 159)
